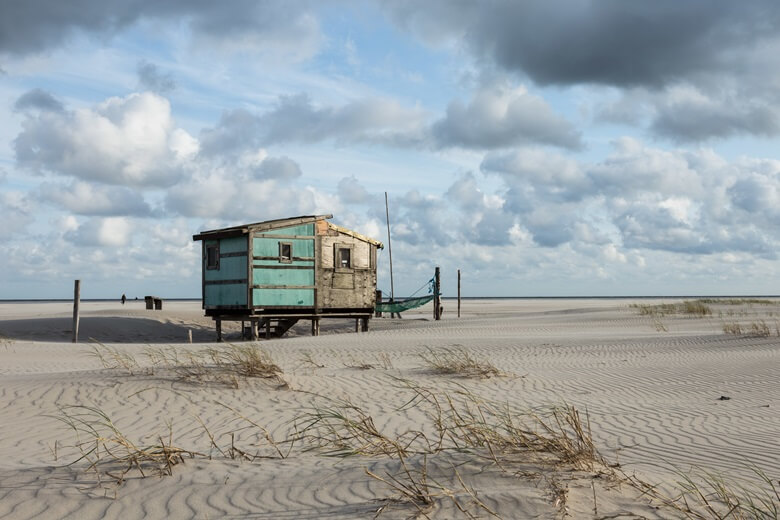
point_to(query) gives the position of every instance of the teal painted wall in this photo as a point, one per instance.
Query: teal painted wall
(283, 276)
(286, 297)
(230, 268)
(270, 246)
(225, 294)
(302, 230)
(232, 245)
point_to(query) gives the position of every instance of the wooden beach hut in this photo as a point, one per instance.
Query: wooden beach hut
(272, 274)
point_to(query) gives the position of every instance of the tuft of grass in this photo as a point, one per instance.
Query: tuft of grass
(458, 361)
(732, 328)
(245, 361)
(111, 455)
(415, 486)
(113, 358)
(737, 301)
(697, 308)
(757, 329)
(343, 429)
(703, 495)
(760, 329)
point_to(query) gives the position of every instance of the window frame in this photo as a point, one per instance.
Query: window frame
(337, 248)
(212, 266)
(282, 258)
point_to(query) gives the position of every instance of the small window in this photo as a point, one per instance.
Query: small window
(212, 257)
(344, 258)
(285, 252)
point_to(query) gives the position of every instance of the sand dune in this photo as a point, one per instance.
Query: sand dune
(652, 398)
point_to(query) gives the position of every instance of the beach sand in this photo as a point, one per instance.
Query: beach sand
(652, 389)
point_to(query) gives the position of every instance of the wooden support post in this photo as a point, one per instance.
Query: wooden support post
(364, 324)
(76, 300)
(437, 295)
(255, 330)
(458, 293)
(357, 324)
(315, 326)
(219, 330)
(268, 328)
(378, 314)
(243, 331)
(189, 336)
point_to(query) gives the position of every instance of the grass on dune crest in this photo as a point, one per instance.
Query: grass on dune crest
(224, 365)
(458, 361)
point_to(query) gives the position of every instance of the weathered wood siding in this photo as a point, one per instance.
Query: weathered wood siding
(345, 288)
(226, 286)
(277, 283)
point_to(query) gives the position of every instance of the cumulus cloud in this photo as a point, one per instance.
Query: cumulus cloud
(150, 78)
(633, 168)
(280, 168)
(296, 119)
(686, 114)
(268, 26)
(105, 232)
(499, 116)
(664, 55)
(216, 194)
(531, 173)
(84, 198)
(351, 191)
(610, 42)
(38, 99)
(130, 140)
(18, 211)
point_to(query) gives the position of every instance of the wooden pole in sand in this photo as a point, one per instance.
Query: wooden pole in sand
(458, 293)
(76, 299)
(437, 295)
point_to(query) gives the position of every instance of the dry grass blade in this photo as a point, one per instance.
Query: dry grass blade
(113, 358)
(345, 429)
(415, 486)
(702, 495)
(458, 361)
(266, 434)
(690, 307)
(224, 365)
(110, 453)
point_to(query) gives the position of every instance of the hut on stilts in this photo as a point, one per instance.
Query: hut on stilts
(272, 274)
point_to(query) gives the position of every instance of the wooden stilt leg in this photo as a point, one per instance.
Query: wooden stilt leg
(315, 327)
(364, 324)
(357, 324)
(268, 328)
(255, 331)
(219, 330)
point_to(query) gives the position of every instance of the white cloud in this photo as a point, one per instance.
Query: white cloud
(103, 232)
(130, 140)
(500, 116)
(83, 198)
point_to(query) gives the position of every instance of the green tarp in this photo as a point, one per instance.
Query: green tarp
(403, 305)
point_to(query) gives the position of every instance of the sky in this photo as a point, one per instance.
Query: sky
(544, 148)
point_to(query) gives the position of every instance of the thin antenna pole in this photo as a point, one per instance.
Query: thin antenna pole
(389, 247)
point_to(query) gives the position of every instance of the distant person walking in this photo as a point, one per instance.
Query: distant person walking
(124, 299)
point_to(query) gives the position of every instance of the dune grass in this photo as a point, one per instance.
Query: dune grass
(458, 361)
(225, 365)
(697, 308)
(111, 455)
